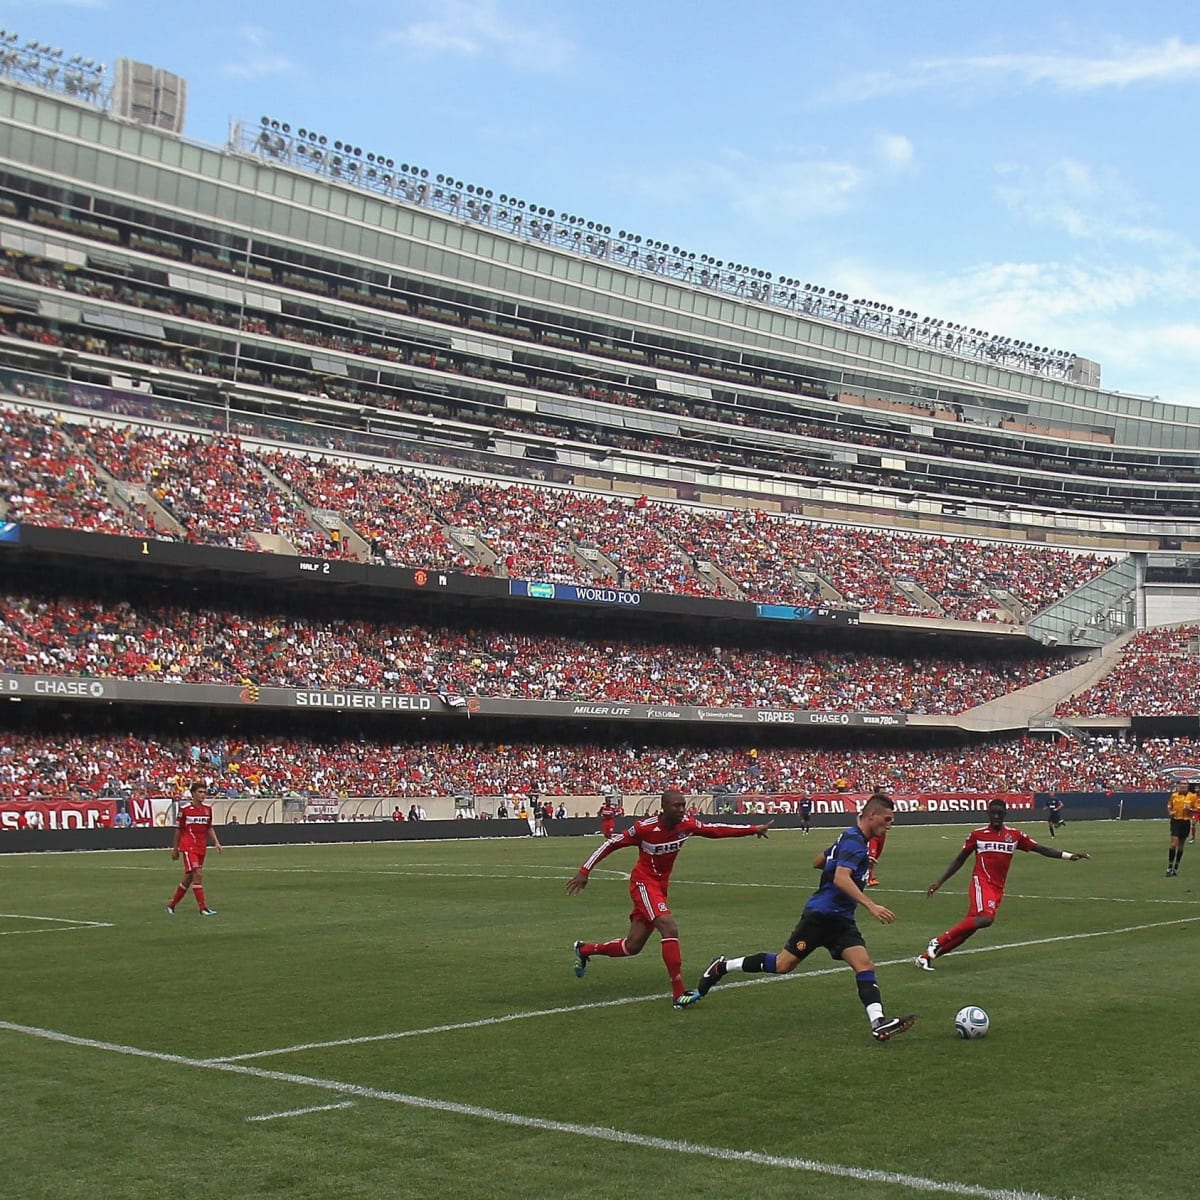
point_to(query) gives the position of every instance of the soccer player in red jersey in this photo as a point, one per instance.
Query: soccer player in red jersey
(874, 854)
(610, 810)
(993, 846)
(659, 840)
(193, 831)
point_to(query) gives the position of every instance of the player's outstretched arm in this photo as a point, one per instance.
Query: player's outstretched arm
(1065, 855)
(960, 858)
(761, 830)
(577, 883)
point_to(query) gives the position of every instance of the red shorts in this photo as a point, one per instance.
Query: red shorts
(193, 860)
(649, 901)
(607, 827)
(982, 898)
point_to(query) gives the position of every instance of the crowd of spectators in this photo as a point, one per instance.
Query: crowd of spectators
(50, 764)
(90, 637)
(211, 488)
(1155, 675)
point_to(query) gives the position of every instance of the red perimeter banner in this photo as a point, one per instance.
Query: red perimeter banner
(851, 802)
(57, 814)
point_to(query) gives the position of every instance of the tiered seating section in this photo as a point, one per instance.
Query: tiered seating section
(212, 489)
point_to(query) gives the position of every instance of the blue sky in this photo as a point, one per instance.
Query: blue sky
(1025, 168)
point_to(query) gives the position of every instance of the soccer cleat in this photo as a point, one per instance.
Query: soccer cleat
(713, 973)
(924, 962)
(170, 911)
(934, 948)
(581, 961)
(887, 1027)
(687, 999)
(872, 883)
(208, 912)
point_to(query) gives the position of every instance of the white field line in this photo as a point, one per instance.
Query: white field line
(565, 873)
(603, 1133)
(300, 1112)
(64, 924)
(658, 996)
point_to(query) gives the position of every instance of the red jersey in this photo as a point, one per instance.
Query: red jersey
(195, 821)
(994, 852)
(659, 847)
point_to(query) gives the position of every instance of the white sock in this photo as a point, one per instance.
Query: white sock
(874, 1013)
(734, 964)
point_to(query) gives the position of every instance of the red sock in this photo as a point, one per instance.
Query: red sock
(180, 892)
(198, 892)
(613, 949)
(953, 938)
(674, 961)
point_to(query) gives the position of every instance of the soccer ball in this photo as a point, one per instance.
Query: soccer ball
(971, 1022)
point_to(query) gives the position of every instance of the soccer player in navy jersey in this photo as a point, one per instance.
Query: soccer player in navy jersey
(659, 839)
(993, 846)
(828, 920)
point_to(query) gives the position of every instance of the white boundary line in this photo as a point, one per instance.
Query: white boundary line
(658, 996)
(68, 924)
(300, 1112)
(564, 873)
(598, 1132)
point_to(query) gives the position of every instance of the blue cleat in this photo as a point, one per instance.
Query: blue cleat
(208, 912)
(687, 999)
(581, 961)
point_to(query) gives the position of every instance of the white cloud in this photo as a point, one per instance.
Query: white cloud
(1085, 202)
(476, 29)
(1169, 61)
(1117, 314)
(894, 150)
(256, 59)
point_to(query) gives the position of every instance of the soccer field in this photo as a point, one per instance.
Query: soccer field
(403, 1019)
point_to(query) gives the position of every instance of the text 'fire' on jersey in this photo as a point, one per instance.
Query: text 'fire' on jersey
(994, 850)
(657, 846)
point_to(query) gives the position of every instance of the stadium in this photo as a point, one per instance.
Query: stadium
(351, 488)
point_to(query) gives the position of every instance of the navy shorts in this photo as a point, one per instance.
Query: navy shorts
(817, 929)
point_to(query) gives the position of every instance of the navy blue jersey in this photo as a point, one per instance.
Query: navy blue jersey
(850, 850)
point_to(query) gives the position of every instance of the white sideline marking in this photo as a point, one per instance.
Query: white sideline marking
(300, 1112)
(565, 873)
(67, 924)
(725, 986)
(599, 1132)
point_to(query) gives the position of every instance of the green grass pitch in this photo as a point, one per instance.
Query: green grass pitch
(402, 1019)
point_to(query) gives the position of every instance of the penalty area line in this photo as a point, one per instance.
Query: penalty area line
(603, 1133)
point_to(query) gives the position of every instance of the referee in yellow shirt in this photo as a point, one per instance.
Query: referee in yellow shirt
(1180, 807)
